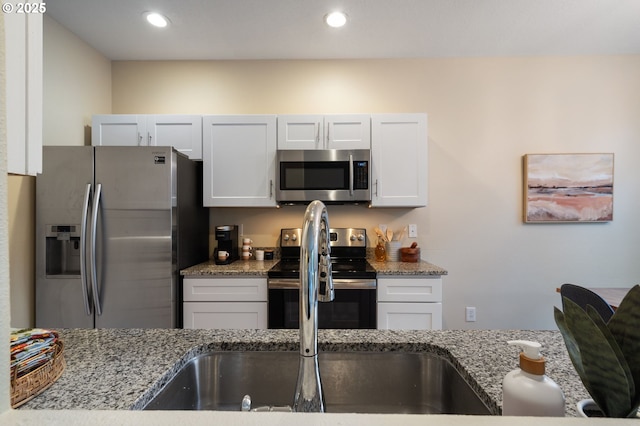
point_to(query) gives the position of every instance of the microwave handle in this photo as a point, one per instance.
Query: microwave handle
(327, 140)
(351, 174)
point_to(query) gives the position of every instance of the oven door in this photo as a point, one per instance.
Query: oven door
(353, 307)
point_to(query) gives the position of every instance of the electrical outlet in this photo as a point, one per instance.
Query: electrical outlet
(413, 230)
(470, 312)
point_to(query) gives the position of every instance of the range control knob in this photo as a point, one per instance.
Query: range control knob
(294, 237)
(360, 237)
(352, 237)
(285, 237)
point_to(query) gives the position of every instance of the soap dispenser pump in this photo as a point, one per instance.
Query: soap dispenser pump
(527, 391)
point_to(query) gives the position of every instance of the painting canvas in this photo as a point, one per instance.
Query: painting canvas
(568, 187)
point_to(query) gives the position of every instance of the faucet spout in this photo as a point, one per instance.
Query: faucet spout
(316, 285)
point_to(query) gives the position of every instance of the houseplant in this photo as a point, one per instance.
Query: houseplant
(606, 355)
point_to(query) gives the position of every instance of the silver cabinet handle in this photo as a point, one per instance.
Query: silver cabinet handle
(270, 188)
(376, 188)
(83, 250)
(94, 227)
(149, 140)
(139, 139)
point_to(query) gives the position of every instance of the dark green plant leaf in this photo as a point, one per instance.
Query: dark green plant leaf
(599, 322)
(625, 328)
(607, 381)
(572, 346)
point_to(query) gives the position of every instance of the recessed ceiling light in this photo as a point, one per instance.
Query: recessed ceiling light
(156, 19)
(335, 19)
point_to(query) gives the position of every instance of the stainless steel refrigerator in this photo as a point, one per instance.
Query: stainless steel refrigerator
(114, 226)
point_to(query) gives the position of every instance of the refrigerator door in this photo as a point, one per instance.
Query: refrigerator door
(134, 250)
(62, 299)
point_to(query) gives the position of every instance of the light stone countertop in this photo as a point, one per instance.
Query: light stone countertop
(121, 369)
(261, 268)
(239, 267)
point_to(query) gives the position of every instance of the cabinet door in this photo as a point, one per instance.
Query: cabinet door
(403, 289)
(119, 130)
(350, 131)
(238, 289)
(239, 154)
(183, 132)
(409, 316)
(23, 83)
(225, 315)
(399, 160)
(300, 131)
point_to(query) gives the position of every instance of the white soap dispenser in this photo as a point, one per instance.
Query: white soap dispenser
(526, 391)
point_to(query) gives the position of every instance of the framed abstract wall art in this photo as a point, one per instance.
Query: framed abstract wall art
(564, 188)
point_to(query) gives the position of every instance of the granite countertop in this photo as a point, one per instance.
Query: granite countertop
(260, 268)
(121, 369)
(239, 267)
(407, 268)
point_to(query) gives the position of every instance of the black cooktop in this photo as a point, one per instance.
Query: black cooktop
(341, 268)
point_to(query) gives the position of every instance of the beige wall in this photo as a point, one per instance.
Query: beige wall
(77, 84)
(22, 249)
(484, 114)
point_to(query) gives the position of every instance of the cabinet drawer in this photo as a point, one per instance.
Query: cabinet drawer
(410, 289)
(225, 315)
(409, 316)
(225, 290)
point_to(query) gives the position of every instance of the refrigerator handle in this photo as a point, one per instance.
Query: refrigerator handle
(94, 227)
(83, 250)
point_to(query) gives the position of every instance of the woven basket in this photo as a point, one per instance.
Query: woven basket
(35, 382)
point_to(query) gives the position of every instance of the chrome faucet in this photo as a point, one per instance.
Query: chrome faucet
(316, 285)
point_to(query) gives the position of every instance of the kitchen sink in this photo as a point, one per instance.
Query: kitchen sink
(353, 382)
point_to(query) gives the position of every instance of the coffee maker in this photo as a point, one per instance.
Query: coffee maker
(227, 237)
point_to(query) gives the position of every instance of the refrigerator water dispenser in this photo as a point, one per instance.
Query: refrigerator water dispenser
(62, 251)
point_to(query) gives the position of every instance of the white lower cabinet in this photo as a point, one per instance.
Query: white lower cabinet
(410, 303)
(225, 303)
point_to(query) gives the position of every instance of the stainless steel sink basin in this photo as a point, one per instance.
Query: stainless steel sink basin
(354, 382)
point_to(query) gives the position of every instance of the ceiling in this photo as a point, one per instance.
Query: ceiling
(294, 29)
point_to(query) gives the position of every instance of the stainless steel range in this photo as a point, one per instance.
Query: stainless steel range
(354, 282)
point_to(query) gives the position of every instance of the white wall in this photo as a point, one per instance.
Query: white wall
(484, 115)
(4, 224)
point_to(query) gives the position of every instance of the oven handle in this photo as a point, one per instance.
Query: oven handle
(338, 284)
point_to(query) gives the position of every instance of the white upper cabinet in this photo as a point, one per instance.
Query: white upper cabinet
(300, 132)
(119, 130)
(399, 160)
(183, 132)
(23, 78)
(239, 155)
(334, 131)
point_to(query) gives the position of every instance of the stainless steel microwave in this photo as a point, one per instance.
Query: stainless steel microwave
(329, 175)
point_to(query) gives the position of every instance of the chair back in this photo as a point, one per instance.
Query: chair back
(583, 296)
